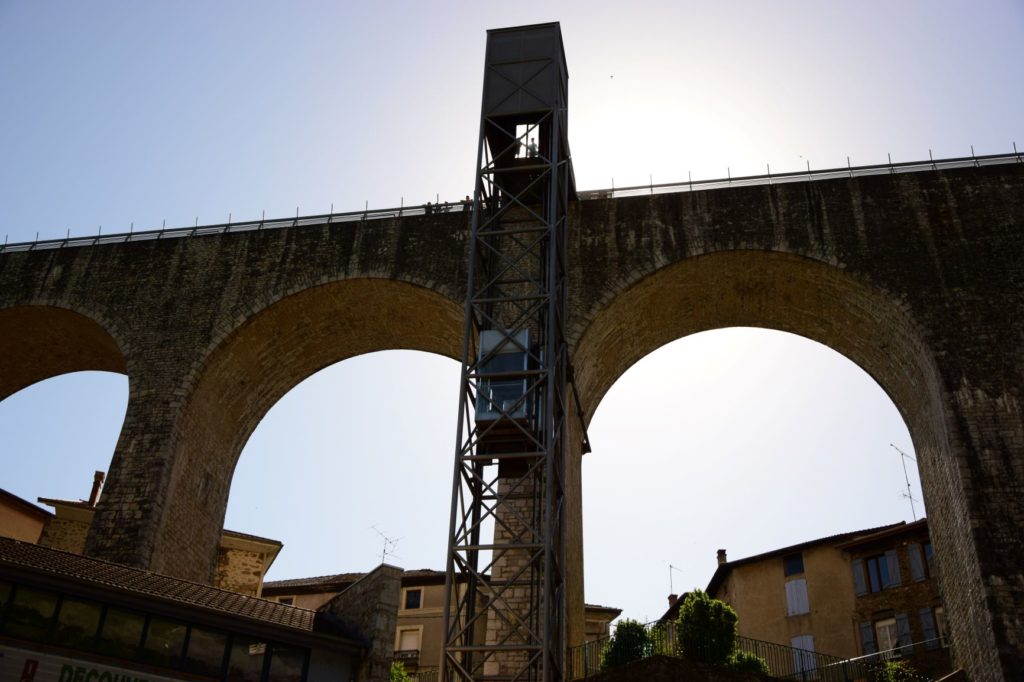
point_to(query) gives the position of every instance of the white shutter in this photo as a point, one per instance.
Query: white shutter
(796, 597)
(409, 640)
(803, 659)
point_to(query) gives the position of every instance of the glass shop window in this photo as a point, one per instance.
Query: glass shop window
(246, 661)
(205, 654)
(165, 642)
(121, 633)
(30, 613)
(286, 664)
(77, 623)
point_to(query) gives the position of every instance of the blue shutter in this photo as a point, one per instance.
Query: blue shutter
(928, 628)
(859, 583)
(903, 636)
(893, 564)
(916, 562)
(867, 638)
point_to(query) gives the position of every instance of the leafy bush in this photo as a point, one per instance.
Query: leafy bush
(706, 629)
(628, 643)
(895, 671)
(746, 662)
(398, 673)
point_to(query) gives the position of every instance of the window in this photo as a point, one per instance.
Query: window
(796, 597)
(165, 642)
(412, 598)
(246, 663)
(77, 623)
(205, 652)
(121, 633)
(409, 640)
(30, 613)
(885, 635)
(793, 564)
(876, 573)
(893, 636)
(503, 356)
(803, 655)
(290, 601)
(286, 664)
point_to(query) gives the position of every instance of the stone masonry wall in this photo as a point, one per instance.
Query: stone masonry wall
(919, 278)
(368, 609)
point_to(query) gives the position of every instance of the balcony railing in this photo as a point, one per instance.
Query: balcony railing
(783, 662)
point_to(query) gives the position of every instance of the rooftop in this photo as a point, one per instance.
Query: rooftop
(68, 569)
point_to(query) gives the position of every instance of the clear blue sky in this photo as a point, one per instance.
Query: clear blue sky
(122, 113)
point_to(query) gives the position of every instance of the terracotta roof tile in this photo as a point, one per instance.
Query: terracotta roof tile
(83, 569)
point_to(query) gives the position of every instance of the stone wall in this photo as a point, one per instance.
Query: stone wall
(66, 535)
(918, 278)
(368, 610)
(239, 571)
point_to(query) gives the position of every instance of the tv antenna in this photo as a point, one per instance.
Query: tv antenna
(671, 589)
(903, 458)
(389, 545)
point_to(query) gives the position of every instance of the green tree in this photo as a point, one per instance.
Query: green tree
(628, 643)
(398, 673)
(706, 629)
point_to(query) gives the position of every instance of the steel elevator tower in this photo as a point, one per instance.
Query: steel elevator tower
(505, 600)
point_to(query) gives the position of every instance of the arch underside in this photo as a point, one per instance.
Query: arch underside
(40, 342)
(774, 291)
(255, 365)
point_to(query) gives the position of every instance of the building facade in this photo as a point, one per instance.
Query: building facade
(897, 608)
(867, 593)
(419, 633)
(66, 617)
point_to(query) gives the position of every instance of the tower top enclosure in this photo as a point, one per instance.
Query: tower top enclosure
(525, 81)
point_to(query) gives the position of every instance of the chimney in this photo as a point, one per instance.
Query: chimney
(672, 598)
(721, 557)
(97, 485)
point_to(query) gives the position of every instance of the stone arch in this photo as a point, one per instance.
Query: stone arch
(823, 302)
(49, 340)
(253, 366)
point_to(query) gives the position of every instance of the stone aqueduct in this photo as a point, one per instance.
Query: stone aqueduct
(918, 278)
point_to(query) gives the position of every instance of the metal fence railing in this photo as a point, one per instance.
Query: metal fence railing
(783, 662)
(806, 176)
(462, 206)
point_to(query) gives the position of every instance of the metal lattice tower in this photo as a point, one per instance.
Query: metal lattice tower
(505, 598)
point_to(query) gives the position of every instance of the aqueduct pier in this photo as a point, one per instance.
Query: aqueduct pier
(916, 277)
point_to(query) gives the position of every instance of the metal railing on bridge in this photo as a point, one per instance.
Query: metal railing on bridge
(809, 175)
(461, 206)
(783, 662)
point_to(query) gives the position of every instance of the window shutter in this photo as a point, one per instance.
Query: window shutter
(928, 628)
(916, 562)
(903, 633)
(859, 583)
(867, 638)
(893, 563)
(796, 597)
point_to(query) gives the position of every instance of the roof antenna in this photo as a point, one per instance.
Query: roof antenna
(389, 545)
(903, 458)
(671, 588)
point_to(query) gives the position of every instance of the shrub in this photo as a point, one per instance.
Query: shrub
(746, 662)
(706, 629)
(398, 673)
(628, 643)
(895, 671)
